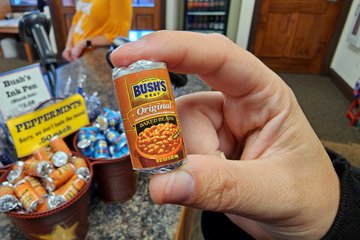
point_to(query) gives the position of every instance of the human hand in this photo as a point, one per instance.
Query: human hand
(66, 54)
(284, 185)
(78, 49)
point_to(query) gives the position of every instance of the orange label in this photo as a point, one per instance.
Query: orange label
(6, 190)
(151, 123)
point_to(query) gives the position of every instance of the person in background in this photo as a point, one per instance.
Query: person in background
(97, 23)
(255, 163)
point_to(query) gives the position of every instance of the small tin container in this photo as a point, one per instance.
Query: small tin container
(59, 159)
(102, 122)
(119, 152)
(81, 167)
(51, 202)
(16, 175)
(37, 186)
(113, 120)
(42, 154)
(85, 147)
(69, 190)
(122, 143)
(100, 136)
(101, 149)
(27, 196)
(88, 133)
(59, 176)
(82, 134)
(125, 149)
(18, 164)
(114, 137)
(37, 168)
(58, 144)
(17, 172)
(6, 188)
(149, 116)
(8, 200)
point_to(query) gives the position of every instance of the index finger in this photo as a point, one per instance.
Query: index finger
(217, 60)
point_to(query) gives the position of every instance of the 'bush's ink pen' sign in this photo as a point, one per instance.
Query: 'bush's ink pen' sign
(22, 90)
(34, 130)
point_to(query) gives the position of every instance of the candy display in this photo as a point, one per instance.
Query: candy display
(152, 125)
(59, 176)
(49, 191)
(27, 195)
(105, 139)
(69, 190)
(17, 173)
(49, 178)
(36, 185)
(71, 87)
(8, 200)
(58, 144)
(50, 202)
(93, 105)
(42, 154)
(60, 158)
(38, 168)
(81, 168)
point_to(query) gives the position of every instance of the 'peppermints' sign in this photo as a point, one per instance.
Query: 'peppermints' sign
(34, 130)
(22, 90)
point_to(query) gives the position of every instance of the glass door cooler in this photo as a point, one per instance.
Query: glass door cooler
(207, 16)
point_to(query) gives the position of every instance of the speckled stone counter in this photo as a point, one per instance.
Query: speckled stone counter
(138, 218)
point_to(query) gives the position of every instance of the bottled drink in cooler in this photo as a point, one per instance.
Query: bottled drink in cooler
(206, 15)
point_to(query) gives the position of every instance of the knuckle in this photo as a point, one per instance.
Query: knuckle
(224, 194)
(220, 37)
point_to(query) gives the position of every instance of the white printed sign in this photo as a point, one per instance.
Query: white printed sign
(22, 90)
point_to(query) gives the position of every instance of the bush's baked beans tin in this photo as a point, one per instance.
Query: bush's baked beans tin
(149, 116)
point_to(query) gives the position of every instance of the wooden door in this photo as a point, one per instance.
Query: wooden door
(294, 35)
(148, 15)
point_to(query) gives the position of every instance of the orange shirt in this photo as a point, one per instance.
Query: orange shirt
(110, 18)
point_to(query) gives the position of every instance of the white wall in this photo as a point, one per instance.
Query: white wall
(243, 30)
(233, 19)
(346, 61)
(173, 12)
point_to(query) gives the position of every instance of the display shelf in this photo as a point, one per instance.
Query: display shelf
(207, 13)
(206, 16)
(206, 5)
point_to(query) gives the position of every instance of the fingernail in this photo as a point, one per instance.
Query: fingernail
(179, 188)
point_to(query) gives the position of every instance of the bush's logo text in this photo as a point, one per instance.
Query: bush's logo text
(149, 88)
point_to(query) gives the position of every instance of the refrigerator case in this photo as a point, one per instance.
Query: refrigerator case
(206, 16)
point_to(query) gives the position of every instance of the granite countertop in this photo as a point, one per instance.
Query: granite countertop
(138, 218)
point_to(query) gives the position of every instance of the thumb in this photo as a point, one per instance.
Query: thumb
(244, 187)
